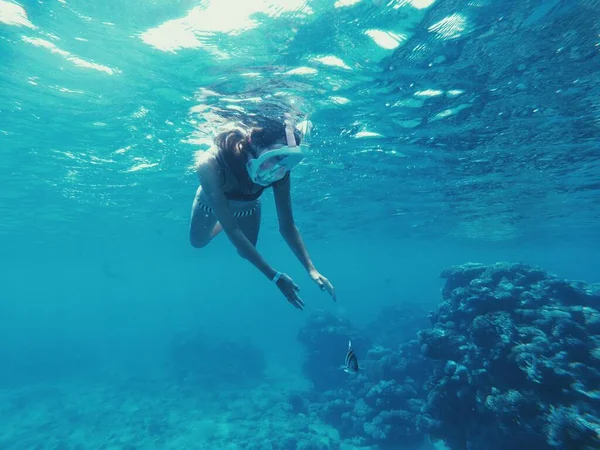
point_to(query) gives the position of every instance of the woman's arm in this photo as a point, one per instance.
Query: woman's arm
(208, 172)
(290, 233)
(287, 226)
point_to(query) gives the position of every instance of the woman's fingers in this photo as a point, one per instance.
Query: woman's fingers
(330, 289)
(296, 301)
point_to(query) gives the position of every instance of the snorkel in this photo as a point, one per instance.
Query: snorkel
(272, 165)
(289, 134)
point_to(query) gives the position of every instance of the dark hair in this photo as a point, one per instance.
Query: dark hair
(229, 140)
(234, 141)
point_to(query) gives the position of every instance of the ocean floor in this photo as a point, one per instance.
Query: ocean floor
(138, 414)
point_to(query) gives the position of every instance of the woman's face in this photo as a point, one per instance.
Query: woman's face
(269, 167)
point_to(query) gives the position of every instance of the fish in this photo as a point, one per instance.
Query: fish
(351, 362)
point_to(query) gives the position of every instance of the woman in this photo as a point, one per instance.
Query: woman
(233, 175)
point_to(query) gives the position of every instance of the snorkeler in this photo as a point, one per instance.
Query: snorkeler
(233, 174)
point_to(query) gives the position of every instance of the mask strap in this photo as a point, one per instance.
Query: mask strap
(289, 134)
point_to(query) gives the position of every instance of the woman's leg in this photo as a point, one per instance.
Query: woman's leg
(203, 225)
(250, 225)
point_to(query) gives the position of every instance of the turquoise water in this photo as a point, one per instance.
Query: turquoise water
(444, 132)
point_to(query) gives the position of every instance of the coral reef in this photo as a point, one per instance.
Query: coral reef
(520, 368)
(325, 338)
(377, 406)
(128, 415)
(511, 359)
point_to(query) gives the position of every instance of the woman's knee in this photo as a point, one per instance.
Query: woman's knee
(198, 241)
(202, 228)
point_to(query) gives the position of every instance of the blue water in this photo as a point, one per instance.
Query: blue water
(445, 132)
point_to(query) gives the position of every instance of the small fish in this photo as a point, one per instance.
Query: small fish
(351, 362)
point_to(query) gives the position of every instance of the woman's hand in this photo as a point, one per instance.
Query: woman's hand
(288, 288)
(323, 283)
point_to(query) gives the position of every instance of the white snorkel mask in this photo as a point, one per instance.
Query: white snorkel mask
(272, 165)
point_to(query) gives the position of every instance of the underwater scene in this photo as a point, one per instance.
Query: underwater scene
(300, 224)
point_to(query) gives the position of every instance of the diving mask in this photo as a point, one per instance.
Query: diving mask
(272, 165)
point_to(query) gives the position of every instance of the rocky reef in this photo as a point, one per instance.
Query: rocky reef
(521, 364)
(511, 360)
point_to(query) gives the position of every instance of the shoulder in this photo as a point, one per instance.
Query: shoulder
(207, 164)
(206, 159)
